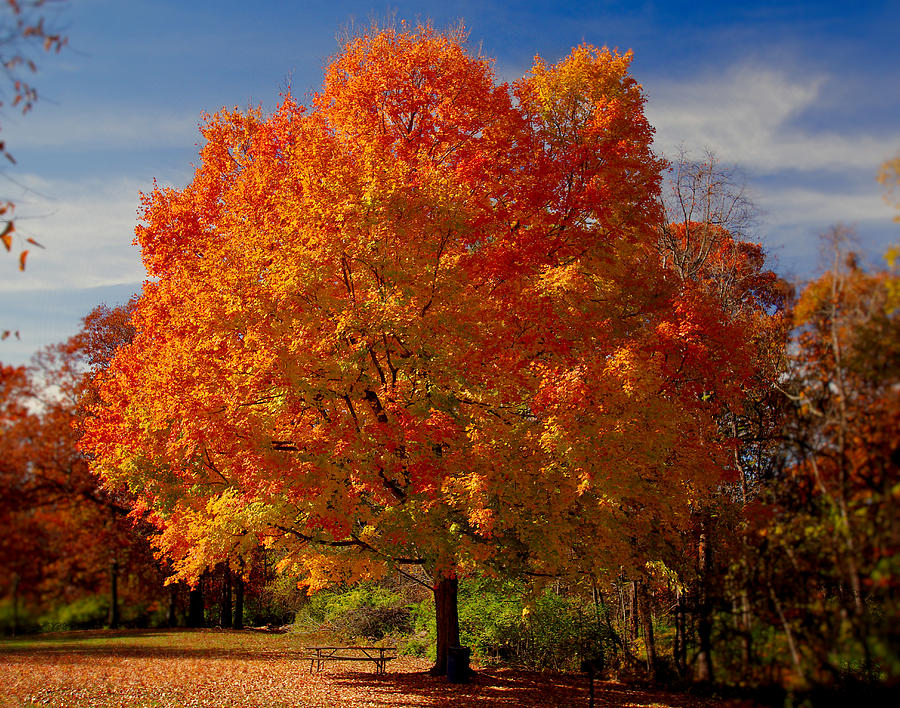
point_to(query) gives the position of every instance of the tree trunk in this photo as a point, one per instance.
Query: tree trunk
(112, 618)
(171, 619)
(789, 635)
(237, 619)
(704, 616)
(226, 619)
(15, 604)
(633, 608)
(643, 603)
(746, 630)
(679, 648)
(195, 605)
(446, 620)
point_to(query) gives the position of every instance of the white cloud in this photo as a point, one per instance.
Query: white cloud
(803, 205)
(86, 226)
(752, 116)
(99, 127)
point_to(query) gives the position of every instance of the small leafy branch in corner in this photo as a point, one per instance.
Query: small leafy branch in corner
(22, 26)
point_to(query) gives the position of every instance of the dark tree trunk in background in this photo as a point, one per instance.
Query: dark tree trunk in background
(237, 620)
(704, 615)
(195, 605)
(112, 618)
(15, 604)
(679, 648)
(226, 598)
(643, 602)
(171, 619)
(446, 620)
(635, 612)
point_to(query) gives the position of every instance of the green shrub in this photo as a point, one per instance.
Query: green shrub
(365, 610)
(89, 612)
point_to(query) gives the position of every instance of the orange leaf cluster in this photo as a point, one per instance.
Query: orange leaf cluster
(424, 318)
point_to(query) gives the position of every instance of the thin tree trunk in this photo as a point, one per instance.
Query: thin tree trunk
(112, 618)
(237, 620)
(633, 606)
(746, 629)
(171, 618)
(679, 648)
(447, 621)
(226, 619)
(789, 635)
(15, 604)
(647, 622)
(704, 616)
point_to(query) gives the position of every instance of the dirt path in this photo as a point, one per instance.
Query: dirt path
(235, 670)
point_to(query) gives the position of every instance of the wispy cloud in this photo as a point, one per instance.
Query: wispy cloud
(99, 127)
(86, 226)
(758, 117)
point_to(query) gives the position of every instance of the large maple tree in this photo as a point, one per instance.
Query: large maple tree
(423, 319)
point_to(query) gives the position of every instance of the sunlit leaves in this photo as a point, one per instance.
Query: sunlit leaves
(424, 318)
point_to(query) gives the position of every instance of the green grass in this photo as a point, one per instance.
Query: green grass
(161, 639)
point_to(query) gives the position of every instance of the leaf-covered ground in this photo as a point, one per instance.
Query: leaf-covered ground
(156, 669)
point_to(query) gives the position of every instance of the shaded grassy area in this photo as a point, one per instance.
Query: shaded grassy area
(248, 669)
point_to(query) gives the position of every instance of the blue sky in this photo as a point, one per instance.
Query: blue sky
(804, 97)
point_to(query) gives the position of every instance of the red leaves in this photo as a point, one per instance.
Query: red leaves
(242, 669)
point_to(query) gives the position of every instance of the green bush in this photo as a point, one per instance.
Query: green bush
(365, 610)
(89, 612)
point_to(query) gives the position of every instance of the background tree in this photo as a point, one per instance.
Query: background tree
(66, 538)
(839, 508)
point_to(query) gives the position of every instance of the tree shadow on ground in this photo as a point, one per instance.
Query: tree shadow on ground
(507, 687)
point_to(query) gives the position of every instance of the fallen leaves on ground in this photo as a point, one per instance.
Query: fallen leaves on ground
(224, 669)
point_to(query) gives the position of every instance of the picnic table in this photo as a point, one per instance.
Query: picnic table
(377, 655)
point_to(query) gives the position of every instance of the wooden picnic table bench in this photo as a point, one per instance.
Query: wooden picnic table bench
(377, 655)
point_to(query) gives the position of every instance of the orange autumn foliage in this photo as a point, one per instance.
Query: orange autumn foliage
(424, 318)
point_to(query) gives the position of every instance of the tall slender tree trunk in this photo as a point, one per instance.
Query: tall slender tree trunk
(679, 648)
(788, 634)
(746, 629)
(195, 605)
(704, 615)
(447, 621)
(633, 609)
(643, 602)
(171, 618)
(237, 620)
(112, 618)
(15, 604)
(226, 620)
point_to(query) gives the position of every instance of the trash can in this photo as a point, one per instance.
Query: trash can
(458, 664)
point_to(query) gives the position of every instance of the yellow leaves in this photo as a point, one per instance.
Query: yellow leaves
(556, 281)
(626, 367)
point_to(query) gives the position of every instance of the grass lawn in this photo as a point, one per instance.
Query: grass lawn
(250, 668)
